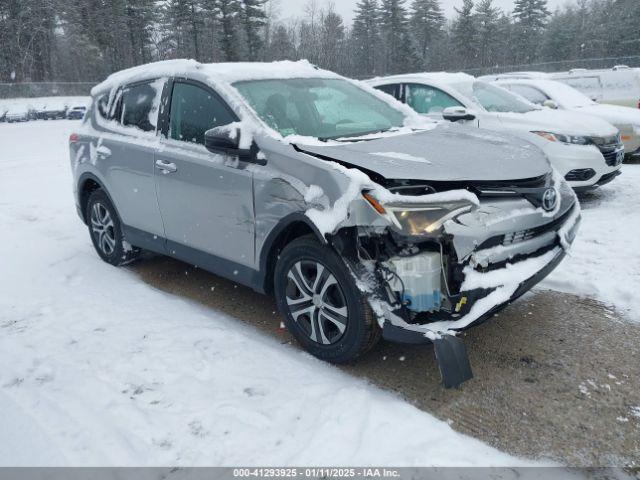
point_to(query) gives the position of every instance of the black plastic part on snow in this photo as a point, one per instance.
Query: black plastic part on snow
(453, 361)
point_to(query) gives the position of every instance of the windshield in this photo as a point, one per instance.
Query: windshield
(316, 107)
(566, 96)
(494, 99)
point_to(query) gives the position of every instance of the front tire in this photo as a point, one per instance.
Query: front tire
(321, 304)
(105, 230)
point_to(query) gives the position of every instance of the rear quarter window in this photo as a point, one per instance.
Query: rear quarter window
(140, 105)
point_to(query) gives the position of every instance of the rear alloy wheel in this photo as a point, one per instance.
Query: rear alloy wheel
(106, 230)
(102, 227)
(322, 306)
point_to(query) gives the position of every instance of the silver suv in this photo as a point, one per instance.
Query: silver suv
(360, 216)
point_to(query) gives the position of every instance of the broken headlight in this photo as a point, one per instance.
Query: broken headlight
(419, 219)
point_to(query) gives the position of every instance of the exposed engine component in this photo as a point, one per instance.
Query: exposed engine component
(417, 281)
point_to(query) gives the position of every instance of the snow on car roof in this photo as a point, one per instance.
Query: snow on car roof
(561, 93)
(440, 77)
(222, 72)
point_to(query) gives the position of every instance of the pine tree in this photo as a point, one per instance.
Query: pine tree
(281, 46)
(427, 21)
(230, 14)
(465, 35)
(365, 38)
(399, 53)
(332, 37)
(141, 18)
(487, 24)
(530, 19)
(254, 18)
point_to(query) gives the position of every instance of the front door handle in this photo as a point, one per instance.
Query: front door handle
(166, 167)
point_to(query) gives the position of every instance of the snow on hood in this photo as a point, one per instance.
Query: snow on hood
(450, 152)
(614, 114)
(560, 121)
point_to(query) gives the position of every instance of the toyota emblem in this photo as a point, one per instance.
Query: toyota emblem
(549, 199)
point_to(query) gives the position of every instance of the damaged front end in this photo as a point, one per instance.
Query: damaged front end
(434, 265)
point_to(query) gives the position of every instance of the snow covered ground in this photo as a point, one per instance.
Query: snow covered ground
(98, 368)
(604, 262)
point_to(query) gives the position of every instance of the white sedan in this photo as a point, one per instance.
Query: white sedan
(586, 150)
(558, 95)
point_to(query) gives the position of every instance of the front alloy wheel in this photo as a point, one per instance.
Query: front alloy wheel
(316, 301)
(321, 304)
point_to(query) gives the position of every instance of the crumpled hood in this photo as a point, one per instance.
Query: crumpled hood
(559, 121)
(448, 152)
(614, 114)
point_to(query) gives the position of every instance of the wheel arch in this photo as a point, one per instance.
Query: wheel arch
(291, 227)
(87, 184)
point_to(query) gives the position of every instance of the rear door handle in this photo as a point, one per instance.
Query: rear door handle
(166, 167)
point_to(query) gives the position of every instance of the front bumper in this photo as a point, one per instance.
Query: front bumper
(572, 160)
(503, 277)
(400, 334)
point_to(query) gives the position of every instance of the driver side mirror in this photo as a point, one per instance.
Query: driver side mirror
(550, 104)
(225, 140)
(454, 114)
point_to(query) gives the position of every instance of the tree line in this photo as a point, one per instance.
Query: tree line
(85, 40)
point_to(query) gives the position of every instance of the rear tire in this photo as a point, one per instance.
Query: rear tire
(321, 304)
(105, 230)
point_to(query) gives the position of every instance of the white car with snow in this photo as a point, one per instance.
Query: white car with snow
(557, 95)
(619, 85)
(585, 150)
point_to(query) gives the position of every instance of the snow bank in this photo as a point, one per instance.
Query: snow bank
(101, 369)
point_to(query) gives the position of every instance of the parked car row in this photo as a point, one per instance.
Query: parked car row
(362, 216)
(611, 95)
(22, 112)
(586, 150)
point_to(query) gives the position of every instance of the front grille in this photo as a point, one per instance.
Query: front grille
(613, 153)
(580, 175)
(522, 235)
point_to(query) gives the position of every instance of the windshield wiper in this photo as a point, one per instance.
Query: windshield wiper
(355, 136)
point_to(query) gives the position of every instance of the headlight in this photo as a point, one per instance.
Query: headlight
(419, 219)
(569, 139)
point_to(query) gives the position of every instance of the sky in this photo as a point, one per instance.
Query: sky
(295, 8)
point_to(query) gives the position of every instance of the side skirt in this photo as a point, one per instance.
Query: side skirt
(212, 263)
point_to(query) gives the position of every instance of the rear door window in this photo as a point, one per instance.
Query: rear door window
(392, 89)
(426, 99)
(140, 105)
(530, 93)
(194, 110)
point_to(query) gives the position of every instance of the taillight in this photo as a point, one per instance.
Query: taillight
(73, 138)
